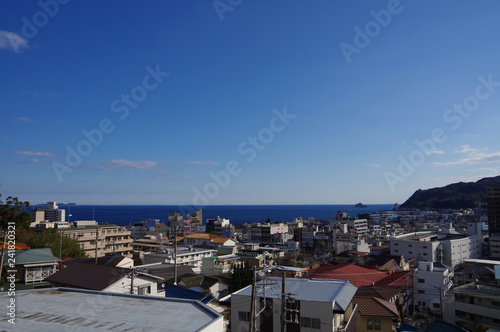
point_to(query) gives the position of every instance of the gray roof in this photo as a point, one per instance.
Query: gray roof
(68, 309)
(316, 290)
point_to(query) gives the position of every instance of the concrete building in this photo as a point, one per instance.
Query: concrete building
(263, 233)
(493, 197)
(473, 304)
(185, 256)
(320, 305)
(360, 226)
(108, 239)
(431, 246)
(65, 309)
(343, 240)
(432, 281)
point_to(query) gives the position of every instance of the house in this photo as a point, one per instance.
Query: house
(215, 286)
(375, 314)
(106, 278)
(322, 305)
(63, 309)
(32, 265)
(185, 256)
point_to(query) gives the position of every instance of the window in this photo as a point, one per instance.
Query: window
(421, 291)
(312, 323)
(144, 289)
(243, 316)
(373, 324)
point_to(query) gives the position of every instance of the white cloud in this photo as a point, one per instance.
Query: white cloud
(34, 153)
(436, 151)
(24, 119)
(468, 149)
(372, 165)
(141, 164)
(12, 42)
(474, 158)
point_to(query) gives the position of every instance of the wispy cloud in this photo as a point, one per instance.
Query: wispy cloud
(24, 119)
(468, 149)
(123, 163)
(6, 138)
(34, 93)
(12, 42)
(372, 165)
(34, 153)
(436, 151)
(474, 158)
(203, 162)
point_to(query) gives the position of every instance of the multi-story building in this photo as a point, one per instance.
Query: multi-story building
(360, 226)
(220, 226)
(101, 239)
(317, 305)
(343, 240)
(263, 233)
(493, 197)
(432, 281)
(447, 249)
(185, 256)
(473, 304)
(50, 213)
(151, 227)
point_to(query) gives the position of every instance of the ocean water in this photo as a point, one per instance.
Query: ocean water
(237, 214)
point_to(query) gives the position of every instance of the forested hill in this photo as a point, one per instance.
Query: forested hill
(453, 196)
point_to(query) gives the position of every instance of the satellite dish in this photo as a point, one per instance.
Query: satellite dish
(162, 285)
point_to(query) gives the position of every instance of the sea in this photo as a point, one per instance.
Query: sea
(125, 215)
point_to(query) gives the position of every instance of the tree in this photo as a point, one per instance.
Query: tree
(48, 239)
(14, 211)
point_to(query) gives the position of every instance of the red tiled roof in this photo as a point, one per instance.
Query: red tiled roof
(396, 279)
(383, 293)
(357, 275)
(371, 306)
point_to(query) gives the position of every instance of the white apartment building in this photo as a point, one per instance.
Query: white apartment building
(360, 225)
(446, 249)
(185, 256)
(432, 281)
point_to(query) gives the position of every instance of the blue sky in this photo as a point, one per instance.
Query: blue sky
(246, 102)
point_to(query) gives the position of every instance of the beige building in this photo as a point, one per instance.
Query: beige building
(108, 239)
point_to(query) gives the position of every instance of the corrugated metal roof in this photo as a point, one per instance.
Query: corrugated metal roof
(30, 256)
(315, 290)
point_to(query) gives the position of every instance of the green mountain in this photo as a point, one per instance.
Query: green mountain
(453, 196)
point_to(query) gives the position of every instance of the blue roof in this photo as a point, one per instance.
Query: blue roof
(178, 292)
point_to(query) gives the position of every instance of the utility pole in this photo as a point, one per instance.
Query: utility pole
(96, 241)
(132, 281)
(175, 255)
(413, 291)
(441, 302)
(252, 301)
(283, 302)
(60, 244)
